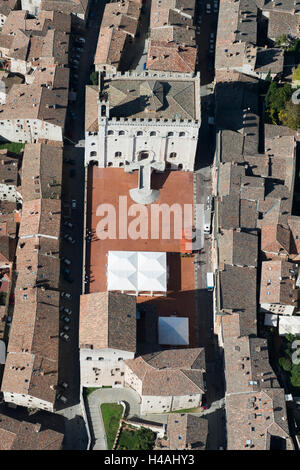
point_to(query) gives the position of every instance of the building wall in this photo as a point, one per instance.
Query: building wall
(2, 19)
(29, 130)
(33, 6)
(163, 404)
(28, 401)
(8, 192)
(104, 368)
(119, 141)
(109, 68)
(279, 309)
(132, 380)
(159, 404)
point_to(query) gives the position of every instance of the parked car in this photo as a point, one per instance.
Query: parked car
(60, 396)
(74, 204)
(65, 318)
(66, 295)
(66, 328)
(63, 384)
(208, 8)
(67, 311)
(68, 278)
(204, 402)
(68, 238)
(66, 261)
(68, 224)
(69, 160)
(80, 39)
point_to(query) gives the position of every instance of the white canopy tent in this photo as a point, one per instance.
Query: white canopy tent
(271, 319)
(137, 271)
(173, 331)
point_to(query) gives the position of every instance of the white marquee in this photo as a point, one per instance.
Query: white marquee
(173, 331)
(137, 271)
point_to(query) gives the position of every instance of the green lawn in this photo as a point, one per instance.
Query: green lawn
(187, 410)
(14, 147)
(136, 439)
(111, 414)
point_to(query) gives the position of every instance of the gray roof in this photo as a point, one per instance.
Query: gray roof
(238, 287)
(245, 248)
(247, 366)
(151, 97)
(269, 60)
(186, 431)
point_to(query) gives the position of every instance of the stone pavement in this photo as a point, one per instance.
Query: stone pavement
(76, 437)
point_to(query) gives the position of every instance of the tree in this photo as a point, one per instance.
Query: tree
(296, 74)
(277, 96)
(285, 364)
(290, 115)
(295, 375)
(281, 41)
(94, 77)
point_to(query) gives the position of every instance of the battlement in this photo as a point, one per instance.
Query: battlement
(151, 74)
(152, 121)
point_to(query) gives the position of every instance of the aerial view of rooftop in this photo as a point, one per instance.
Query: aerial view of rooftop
(150, 227)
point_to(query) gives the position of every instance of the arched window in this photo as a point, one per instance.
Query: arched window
(109, 164)
(173, 155)
(103, 110)
(121, 132)
(181, 134)
(93, 154)
(139, 133)
(170, 134)
(118, 154)
(110, 133)
(152, 133)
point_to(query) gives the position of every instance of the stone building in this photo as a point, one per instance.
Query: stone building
(107, 336)
(167, 380)
(149, 117)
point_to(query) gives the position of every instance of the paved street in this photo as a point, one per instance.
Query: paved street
(73, 189)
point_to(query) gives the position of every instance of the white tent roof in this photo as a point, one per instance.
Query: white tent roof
(271, 319)
(173, 330)
(289, 325)
(137, 271)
